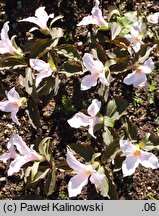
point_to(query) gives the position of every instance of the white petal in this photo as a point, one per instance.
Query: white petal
(129, 165)
(73, 162)
(31, 20)
(76, 184)
(94, 108)
(16, 164)
(42, 67)
(97, 17)
(5, 106)
(91, 131)
(94, 66)
(89, 81)
(103, 79)
(127, 147)
(153, 18)
(86, 21)
(149, 160)
(147, 67)
(94, 121)
(78, 120)
(136, 46)
(4, 157)
(4, 32)
(13, 115)
(12, 94)
(42, 16)
(135, 79)
(97, 178)
(20, 144)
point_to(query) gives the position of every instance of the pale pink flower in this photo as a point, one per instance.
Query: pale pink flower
(42, 67)
(96, 18)
(5, 43)
(153, 18)
(138, 77)
(97, 71)
(80, 119)
(135, 36)
(24, 156)
(136, 156)
(12, 104)
(40, 19)
(84, 172)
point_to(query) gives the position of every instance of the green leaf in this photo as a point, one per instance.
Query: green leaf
(104, 187)
(12, 62)
(112, 187)
(40, 47)
(44, 148)
(116, 108)
(56, 33)
(34, 169)
(51, 60)
(33, 114)
(63, 165)
(40, 176)
(107, 136)
(118, 161)
(154, 139)
(28, 82)
(86, 151)
(48, 86)
(68, 51)
(51, 181)
(113, 13)
(108, 122)
(144, 53)
(144, 141)
(70, 68)
(131, 129)
(121, 42)
(132, 16)
(110, 150)
(115, 30)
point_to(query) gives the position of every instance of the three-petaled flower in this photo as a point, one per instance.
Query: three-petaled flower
(96, 17)
(136, 156)
(84, 172)
(42, 67)
(12, 104)
(25, 155)
(97, 70)
(41, 18)
(5, 43)
(80, 119)
(138, 77)
(135, 36)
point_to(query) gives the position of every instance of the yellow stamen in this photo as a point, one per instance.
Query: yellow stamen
(137, 150)
(16, 104)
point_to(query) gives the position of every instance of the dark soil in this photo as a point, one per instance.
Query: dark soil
(144, 183)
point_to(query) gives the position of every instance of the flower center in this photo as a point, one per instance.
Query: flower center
(16, 104)
(137, 150)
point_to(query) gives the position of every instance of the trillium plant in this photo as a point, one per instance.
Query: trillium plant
(79, 89)
(80, 119)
